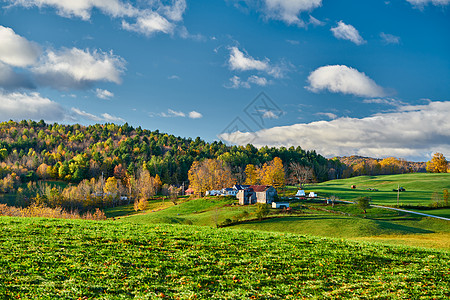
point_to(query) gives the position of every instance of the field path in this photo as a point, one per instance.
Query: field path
(411, 212)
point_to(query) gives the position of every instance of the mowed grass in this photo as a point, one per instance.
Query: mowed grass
(419, 188)
(72, 259)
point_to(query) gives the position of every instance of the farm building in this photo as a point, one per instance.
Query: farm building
(257, 194)
(312, 195)
(189, 191)
(300, 193)
(280, 204)
(229, 192)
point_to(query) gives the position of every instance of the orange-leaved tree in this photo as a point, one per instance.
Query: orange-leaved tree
(437, 164)
(209, 174)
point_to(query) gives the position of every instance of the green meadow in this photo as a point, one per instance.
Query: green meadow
(75, 259)
(419, 188)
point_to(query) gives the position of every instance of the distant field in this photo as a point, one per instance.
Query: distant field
(419, 188)
(394, 227)
(75, 259)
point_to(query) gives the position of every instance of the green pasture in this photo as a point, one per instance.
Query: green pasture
(76, 259)
(419, 188)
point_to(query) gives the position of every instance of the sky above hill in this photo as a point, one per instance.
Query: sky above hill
(369, 78)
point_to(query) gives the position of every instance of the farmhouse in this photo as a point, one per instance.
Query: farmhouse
(189, 191)
(257, 194)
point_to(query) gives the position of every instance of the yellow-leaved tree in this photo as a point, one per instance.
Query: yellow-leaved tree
(209, 174)
(272, 173)
(251, 175)
(437, 164)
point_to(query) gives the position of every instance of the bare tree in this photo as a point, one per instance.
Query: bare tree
(300, 174)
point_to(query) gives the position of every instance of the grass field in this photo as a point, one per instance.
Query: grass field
(419, 188)
(75, 259)
(378, 224)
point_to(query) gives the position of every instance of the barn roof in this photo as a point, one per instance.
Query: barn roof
(260, 188)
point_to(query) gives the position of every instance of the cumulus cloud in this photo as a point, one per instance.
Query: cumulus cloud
(104, 94)
(149, 24)
(389, 38)
(11, 80)
(343, 79)
(241, 61)
(16, 50)
(195, 115)
(347, 32)
(77, 68)
(22, 106)
(149, 18)
(411, 132)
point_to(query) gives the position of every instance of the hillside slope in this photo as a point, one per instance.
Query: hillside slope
(42, 258)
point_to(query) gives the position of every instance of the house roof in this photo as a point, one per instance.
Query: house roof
(189, 190)
(260, 188)
(241, 186)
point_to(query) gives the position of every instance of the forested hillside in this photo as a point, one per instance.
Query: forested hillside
(31, 150)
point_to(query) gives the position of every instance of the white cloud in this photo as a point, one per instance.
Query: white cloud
(149, 18)
(104, 94)
(422, 3)
(235, 82)
(195, 115)
(105, 117)
(85, 115)
(343, 79)
(172, 113)
(347, 32)
(241, 61)
(174, 12)
(110, 118)
(269, 115)
(16, 50)
(288, 11)
(328, 115)
(411, 132)
(22, 106)
(174, 77)
(149, 24)
(315, 22)
(81, 8)
(389, 38)
(261, 81)
(76, 68)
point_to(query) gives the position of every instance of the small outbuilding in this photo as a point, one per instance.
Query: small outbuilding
(312, 195)
(300, 193)
(280, 205)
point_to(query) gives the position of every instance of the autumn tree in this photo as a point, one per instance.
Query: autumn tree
(272, 173)
(145, 184)
(209, 174)
(437, 164)
(251, 175)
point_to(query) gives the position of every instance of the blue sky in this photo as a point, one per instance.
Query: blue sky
(344, 77)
